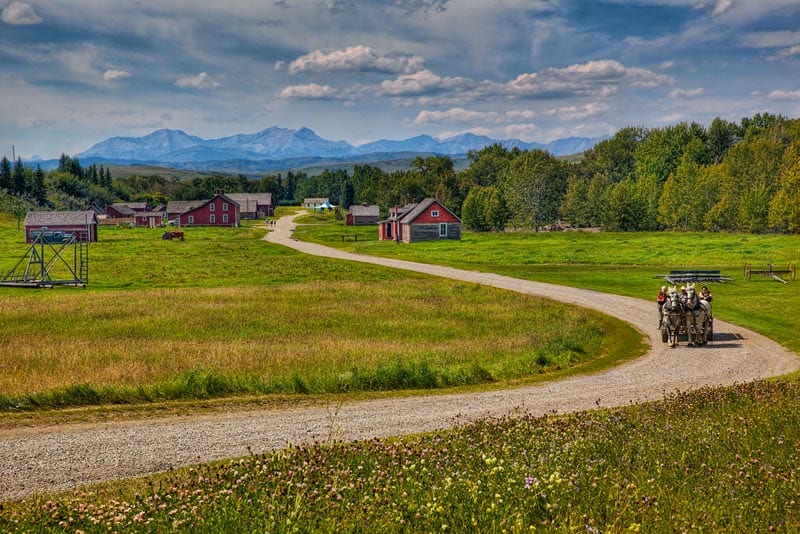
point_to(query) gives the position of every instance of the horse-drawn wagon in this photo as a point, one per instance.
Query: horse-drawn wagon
(686, 314)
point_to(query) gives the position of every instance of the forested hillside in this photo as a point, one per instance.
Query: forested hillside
(741, 177)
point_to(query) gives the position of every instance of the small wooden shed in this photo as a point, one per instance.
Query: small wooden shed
(426, 221)
(362, 215)
(82, 224)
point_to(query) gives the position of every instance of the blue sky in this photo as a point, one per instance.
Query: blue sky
(75, 72)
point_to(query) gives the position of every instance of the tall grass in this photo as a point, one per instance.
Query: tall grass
(719, 460)
(66, 348)
(620, 263)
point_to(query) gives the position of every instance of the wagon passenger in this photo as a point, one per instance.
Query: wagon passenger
(661, 299)
(705, 294)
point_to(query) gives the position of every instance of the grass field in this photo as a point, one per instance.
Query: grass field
(619, 263)
(718, 460)
(224, 313)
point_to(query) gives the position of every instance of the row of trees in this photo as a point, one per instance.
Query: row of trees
(733, 177)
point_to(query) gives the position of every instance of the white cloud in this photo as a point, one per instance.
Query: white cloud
(601, 78)
(773, 39)
(721, 7)
(424, 82)
(571, 113)
(114, 74)
(410, 6)
(20, 13)
(686, 93)
(202, 81)
(358, 58)
(784, 95)
(310, 91)
(467, 115)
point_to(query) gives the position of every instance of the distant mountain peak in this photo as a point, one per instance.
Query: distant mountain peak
(274, 143)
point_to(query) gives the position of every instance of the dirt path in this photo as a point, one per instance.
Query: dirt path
(66, 456)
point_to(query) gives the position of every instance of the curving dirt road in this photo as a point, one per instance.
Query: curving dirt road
(66, 456)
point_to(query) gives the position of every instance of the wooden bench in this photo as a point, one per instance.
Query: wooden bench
(682, 276)
(350, 237)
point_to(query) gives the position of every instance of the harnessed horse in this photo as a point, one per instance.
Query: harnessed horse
(672, 316)
(697, 313)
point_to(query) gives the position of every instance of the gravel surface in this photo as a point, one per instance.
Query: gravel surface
(62, 457)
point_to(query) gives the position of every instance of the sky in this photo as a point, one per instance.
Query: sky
(76, 72)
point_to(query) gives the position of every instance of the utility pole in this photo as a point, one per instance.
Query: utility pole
(13, 154)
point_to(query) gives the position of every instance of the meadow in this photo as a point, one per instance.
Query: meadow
(718, 460)
(224, 314)
(620, 263)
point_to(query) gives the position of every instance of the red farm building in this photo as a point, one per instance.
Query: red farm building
(253, 205)
(82, 224)
(219, 211)
(426, 221)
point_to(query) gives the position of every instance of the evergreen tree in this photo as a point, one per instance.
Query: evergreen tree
(5, 174)
(19, 183)
(38, 189)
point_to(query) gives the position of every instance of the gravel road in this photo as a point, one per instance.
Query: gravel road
(62, 457)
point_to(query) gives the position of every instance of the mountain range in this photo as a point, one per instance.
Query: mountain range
(276, 148)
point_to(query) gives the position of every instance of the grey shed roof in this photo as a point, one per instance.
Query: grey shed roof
(60, 218)
(250, 201)
(123, 208)
(182, 206)
(364, 211)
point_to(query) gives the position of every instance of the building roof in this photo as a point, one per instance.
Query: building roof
(124, 209)
(150, 214)
(249, 202)
(420, 208)
(312, 200)
(182, 206)
(60, 218)
(358, 210)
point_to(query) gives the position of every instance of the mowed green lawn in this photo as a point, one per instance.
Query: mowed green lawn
(619, 263)
(225, 314)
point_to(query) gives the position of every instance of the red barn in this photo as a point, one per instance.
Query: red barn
(219, 211)
(83, 224)
(429, 220)
(254, 205)
(149, 219)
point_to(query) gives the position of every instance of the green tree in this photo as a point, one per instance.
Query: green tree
(5, 173)
(784, 209)
(623, 207)
(681, 204)
(615, 157)
(484, 209)
(657, 157)
(488, 165)
(19, 180)
(533, 188)
(722, 135)
(38, 188)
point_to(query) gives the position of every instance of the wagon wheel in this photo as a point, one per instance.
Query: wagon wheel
(710, 332)
(664, 335)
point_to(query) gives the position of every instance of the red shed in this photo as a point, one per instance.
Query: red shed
(429, 220)
(219, 211)
(83, 224)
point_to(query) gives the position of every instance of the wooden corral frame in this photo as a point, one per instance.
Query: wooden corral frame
(47, 263)
(770, 271)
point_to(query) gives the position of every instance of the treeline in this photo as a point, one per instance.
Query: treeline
(726, 177)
